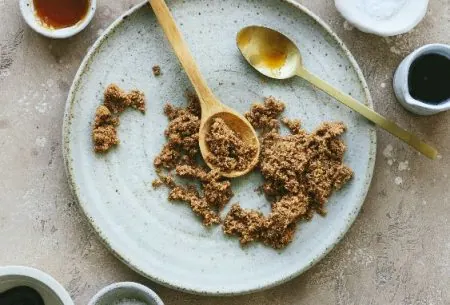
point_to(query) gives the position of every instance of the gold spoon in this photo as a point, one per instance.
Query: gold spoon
(276, 56)
(211, 107)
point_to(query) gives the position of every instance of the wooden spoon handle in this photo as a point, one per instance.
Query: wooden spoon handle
(371, 115)
(181, 49)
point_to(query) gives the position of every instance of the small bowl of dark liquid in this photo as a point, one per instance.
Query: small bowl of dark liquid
(29, 286)
(58, 18)
(422, 81)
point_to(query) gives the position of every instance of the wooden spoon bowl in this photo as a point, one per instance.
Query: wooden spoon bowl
(241, 127)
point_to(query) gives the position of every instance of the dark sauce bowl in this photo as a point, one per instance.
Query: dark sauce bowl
(30, 286)
(410, 97)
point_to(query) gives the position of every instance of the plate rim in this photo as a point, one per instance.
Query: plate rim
(122, 257)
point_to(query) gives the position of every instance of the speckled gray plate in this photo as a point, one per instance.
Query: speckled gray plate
(165, 241)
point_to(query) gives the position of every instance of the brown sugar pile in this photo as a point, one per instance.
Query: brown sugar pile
(104, 133)
(178, 157)
(300, 172)
(264, 116)
(228, 151)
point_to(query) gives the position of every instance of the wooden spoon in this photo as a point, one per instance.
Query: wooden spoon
(211, 107)
(276, 56)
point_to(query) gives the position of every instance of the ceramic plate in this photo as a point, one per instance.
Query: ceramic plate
(166, 241)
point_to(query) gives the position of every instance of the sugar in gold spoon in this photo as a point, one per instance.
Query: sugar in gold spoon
(276, 56)
(211, 107)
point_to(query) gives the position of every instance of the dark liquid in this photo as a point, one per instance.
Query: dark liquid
(429, 78)
(21, 296)
(61, 13)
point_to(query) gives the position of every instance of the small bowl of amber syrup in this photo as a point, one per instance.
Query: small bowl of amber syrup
(58, 18)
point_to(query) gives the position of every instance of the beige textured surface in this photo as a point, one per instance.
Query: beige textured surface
(396, 253)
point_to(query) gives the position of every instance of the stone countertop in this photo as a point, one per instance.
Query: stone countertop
(397, 252)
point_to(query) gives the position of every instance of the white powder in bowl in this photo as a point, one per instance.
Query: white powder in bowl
(129, 302)
(383, 17)
(381, 9)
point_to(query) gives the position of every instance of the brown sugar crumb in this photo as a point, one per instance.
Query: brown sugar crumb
(228, 151)
(104, 132)
(157, 183)
(294, 126)
(168, 180)
(247, 224)
(156, 70)
(168, 157)
(182, 137)
(275, 230)
(300, 172)
(264, 116)
(216, 190)
(198, 204)
(115, 99)
(182, 131)
(104, 117)
(137, 100)
(179, 155)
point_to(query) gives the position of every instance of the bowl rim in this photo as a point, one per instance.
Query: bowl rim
(131, 286)
(39, 277)
(28, 14)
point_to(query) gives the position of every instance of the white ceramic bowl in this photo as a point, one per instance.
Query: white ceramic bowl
(51, 291)
(383, 17)
(401, 87)
(126, 290)
(28, 13)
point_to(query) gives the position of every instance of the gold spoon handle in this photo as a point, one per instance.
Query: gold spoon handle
(371, 115)
(185, 57)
